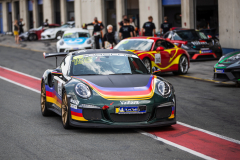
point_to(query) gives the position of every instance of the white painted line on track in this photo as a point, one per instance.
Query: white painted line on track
(211, 133)
(176, 145)
(19, 84)
(20, 73)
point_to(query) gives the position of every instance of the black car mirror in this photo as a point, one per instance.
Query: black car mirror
(57, 72)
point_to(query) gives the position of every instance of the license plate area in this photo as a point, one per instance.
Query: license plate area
(205, 51)
(219, 70)
(130, 109)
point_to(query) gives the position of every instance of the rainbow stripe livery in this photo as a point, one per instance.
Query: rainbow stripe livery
(129, 93)
(52, 96)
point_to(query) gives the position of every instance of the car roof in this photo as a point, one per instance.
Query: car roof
(145, 37)
(101, 51)
(76, 30)
(184, 29)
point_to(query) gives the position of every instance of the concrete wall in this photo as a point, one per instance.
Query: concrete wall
(150, 8)
(120, 11)
(23, 9)
(4, 16)
(35, 14)
(91, 9)
(48, 11)
(229, 23)
(63, 10)
(187, 10)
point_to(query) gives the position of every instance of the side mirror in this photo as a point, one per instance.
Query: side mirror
(209, 36)
(59, 37)
(159, 49)
(57, 72)
(110, 47)
(168, 39)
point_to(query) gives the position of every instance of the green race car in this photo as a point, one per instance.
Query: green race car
(106, 88)
(228, 68)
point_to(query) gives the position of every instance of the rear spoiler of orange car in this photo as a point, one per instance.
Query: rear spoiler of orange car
(60, 54)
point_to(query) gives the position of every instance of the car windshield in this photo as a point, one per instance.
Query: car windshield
(189, 35)
(135, 44)
(65, 25)
(76, 35)
(106, 64)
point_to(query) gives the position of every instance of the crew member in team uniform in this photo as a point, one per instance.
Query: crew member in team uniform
(97, 31)
(165, 27)
(149, 27)
(126, 30)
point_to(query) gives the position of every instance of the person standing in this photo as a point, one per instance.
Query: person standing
(97, 31)
(149, 27)
(121, 23)
(108, 38)
(16, 33)
(126, 30)
(165, 26)
(20, 25)
(45, 24)
(131, 23)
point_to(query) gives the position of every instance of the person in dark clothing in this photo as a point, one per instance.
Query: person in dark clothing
(20, 25)
(165, 27)
(97, 31)
(149, 27)
(126, 30)
(45, 24)
(121, 23)
(108, 38)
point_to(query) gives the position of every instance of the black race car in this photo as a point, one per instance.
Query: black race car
(196, 43)
(228, 68)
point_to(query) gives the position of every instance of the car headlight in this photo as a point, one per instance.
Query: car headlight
(184, 46)
(83, 90)
(89, 41)
(61, 43)
(233, 58)
(164, 88)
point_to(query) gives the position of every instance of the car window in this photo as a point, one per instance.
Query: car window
(166, 35)
(169, 45)
(106, 64)
(159, 43)
(164, 44)
(176, 37)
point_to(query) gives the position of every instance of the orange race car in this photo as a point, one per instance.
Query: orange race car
(157, 54)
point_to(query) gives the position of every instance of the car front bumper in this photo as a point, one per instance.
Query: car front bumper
(73, 48)
(226, 75)
(47, 36)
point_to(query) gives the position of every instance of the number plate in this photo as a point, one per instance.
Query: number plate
(130, 109)
(205, 51)
(219, 70)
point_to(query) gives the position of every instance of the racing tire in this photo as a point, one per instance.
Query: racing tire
(32, 37)
(65, 112)
(182, 66)
(148, 64)
(59, 33)
(44, 105)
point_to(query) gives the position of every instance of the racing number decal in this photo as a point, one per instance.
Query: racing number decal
(157, 58)
(59, 88)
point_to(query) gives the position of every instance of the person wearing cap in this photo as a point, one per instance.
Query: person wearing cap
(149, 27)
(97, 31)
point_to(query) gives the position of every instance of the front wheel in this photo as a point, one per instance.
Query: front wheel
(65, 112)
(182, 66)
(32, 37)
(148, 65)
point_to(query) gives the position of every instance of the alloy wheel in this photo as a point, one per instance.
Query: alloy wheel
(43, 98)
(64, 110)
(184, 64)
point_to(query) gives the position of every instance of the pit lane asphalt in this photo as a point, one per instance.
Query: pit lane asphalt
(28, 135)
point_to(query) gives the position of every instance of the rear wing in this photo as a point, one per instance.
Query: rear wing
(60, 54)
